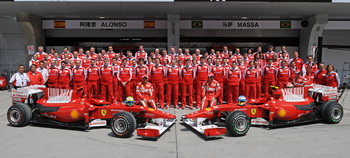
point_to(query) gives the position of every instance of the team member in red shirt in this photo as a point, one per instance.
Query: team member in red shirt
(173, 74)
(233, 75)
(40, 53)
(52, 81)
(259, 80)
(79, 77)
(64, 76)
(93, 54)
(124, 75)
(81, 54)
(106, 81)
(268, 75)
(86, 61)
(66, 53)
(188, 56)
(242, 68)
(309, 63)
(34, 60)
(115, 66)
(157, 74)
(35, 77)
(219, 74)
(187, 76)
(92, 76)
(298, 61)
(210, 92)
(202, 71)
(293, 71)
(144, 91)
(141, 53)
(309, 75)
(299, 80)
(320, 75)
(251, 76)
(269, 53)
(332, 78)
(283, 75)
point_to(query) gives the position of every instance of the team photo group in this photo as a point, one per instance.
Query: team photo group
(175, 78)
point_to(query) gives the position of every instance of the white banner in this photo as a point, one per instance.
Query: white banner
(338, 25)
(104, 24)
(236, 24)
(162, 24)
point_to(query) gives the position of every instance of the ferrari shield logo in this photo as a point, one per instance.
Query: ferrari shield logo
(103, 112)
(253, 111)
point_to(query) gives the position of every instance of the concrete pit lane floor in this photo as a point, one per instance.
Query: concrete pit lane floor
(311, 140)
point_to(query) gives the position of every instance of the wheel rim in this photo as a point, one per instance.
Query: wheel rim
(336, 113)
(120, 125)
(240, 124)
(15, 116)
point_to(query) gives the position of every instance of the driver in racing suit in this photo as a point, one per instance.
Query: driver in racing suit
(144, 91)
(211, 90)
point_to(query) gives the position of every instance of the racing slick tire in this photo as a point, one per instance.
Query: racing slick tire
(332, 112)
(19, 115)
(123, 124)
(237, 123)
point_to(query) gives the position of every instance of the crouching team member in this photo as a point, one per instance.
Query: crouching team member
(211, 90)
(144, 91)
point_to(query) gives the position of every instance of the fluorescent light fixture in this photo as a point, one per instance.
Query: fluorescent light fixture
(102, 17)
(244, 17)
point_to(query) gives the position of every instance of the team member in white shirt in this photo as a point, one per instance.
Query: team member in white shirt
(43, 71)
(20, 79)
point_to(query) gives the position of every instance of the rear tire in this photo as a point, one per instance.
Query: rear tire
(237, 123)
(332, 112)
(123, 124)
(19, 115)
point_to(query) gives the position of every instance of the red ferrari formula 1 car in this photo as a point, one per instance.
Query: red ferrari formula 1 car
(283, 107)
(67, 108)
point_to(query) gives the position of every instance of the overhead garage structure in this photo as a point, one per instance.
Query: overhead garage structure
(317, 27)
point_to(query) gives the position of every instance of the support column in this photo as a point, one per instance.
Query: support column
(32, 32)
(309, 35)
(173, 25)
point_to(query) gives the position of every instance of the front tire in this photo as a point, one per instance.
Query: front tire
(123, 124)
(332, 112)
(237, 123)
(19, 115)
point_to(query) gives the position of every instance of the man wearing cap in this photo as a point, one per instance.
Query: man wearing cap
(211, 90)
(144, 91)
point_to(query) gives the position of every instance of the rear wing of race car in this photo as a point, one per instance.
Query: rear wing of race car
(323, 93)
(22, 94)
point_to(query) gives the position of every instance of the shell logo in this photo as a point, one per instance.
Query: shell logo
(282, 113)
(74, 114)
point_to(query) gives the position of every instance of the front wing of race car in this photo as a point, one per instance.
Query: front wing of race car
(209, 130)
(156, 128)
